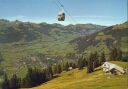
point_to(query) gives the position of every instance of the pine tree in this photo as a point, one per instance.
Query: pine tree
(81, 64)
(113, 54)
(119, 55)
(116, 54)
(55, 69)
(36, 77)
(1, 58)
(66, 66)
(102, 58)
(5, 84)
(15, 82)
(50, 72)
(59, 68)
(92, 62)
(73, 65)
(96, 60)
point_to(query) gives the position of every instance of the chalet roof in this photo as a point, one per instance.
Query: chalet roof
(111, 66)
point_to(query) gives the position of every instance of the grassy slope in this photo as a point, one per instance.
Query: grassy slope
(49, 40)
(110, 36)
(78, 79)
(13, 54)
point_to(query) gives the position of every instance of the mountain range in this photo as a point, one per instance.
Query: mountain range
(38, 44)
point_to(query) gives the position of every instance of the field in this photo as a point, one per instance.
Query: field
(13, 54)
(79, 79)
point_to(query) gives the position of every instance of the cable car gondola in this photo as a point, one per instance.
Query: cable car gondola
(61, 16)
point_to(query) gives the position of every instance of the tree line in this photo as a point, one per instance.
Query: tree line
(36, 76)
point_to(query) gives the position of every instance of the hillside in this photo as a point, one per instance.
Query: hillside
(17, 31)
(114, 36)
(78, 79)
(37, 44)
(24, 44)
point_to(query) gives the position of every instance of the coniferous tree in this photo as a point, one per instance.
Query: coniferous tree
(119, 55)
(50, 72)
(14, 82)
(102, 58)
(55, 69)
(92, 62)
(96, 60)
(59, 68)
(73, 65)
(1, 58)
(113, 54)
(81, 63)
(36, 77)
(5, 84)
(66, 66)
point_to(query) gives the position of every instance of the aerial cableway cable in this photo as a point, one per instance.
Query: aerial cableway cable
(57, 5)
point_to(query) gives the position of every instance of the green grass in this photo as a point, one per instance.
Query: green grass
(14, 52)
(79, 79)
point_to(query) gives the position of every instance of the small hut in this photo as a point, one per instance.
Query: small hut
(112, 68)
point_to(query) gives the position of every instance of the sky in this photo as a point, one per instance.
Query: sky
(102, 12)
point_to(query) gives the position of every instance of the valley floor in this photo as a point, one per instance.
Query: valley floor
(79, 79)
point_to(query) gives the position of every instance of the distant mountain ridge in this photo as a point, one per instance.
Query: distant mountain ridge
(14, 31)
(113, 35)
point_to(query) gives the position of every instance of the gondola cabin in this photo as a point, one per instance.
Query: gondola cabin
(61, 16)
